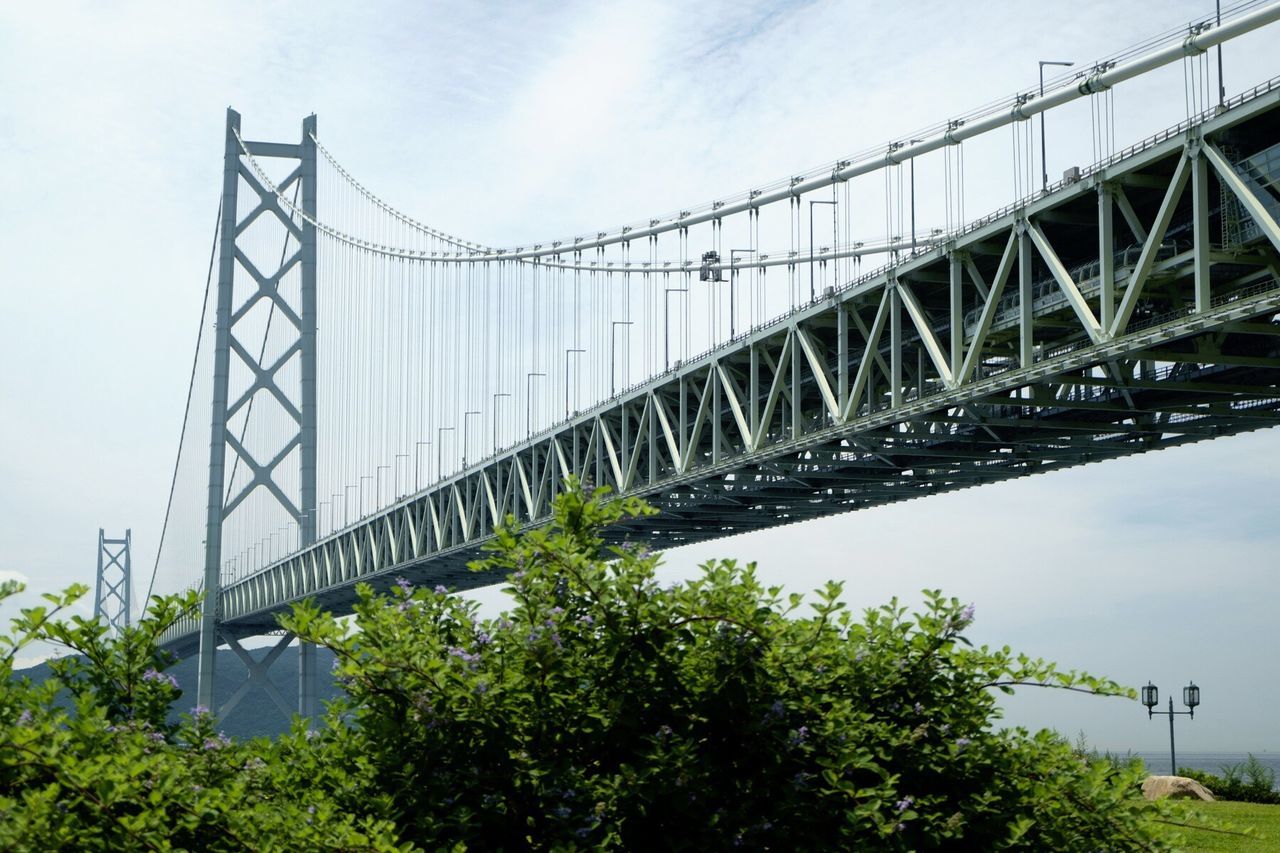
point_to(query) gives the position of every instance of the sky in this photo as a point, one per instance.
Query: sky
(518, 121)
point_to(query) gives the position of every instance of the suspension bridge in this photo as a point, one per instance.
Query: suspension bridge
(372, 395)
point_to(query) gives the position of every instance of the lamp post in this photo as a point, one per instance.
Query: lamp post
(466, 435)
(439, 447)
(417, 467)
(378, 484)
(834, 229)
(568, 352)
(528, 402)
(494, 448)
(1044, 164)
(346, 506)
(613, 356)
(666, 325)
(733, 274)
(1190, 698)
(360, 493)
(405, 457)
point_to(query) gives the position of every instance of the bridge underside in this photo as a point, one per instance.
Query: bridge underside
(1136, 309)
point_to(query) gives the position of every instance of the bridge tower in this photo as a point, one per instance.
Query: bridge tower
(112, 598)
(242, 285)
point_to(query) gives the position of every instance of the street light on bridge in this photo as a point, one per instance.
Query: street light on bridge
(613, 354)
(567, 353)
(494, 442)
(1044, 164)
(1190, 698)
(466, 434)
(835, 228)
(528, 401)
(733, 274)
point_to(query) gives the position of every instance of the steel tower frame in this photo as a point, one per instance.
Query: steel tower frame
(113, 599)
(302, 410)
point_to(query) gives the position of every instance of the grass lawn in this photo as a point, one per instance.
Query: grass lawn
(1265, 821)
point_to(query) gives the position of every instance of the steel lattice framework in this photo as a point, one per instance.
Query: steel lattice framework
(1049, 334)
(262, 386)
(113, 591)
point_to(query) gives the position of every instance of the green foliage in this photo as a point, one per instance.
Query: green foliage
(607, 711)
(113, 775)
(602, 711)
(1250, 781)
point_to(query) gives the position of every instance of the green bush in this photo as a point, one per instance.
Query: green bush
(1250, 781)
(602, 711)
(111, 774)
(605, 710)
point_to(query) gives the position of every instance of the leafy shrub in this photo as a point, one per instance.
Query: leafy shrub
(607, 711)
(1250, 781)
(112, 774)
(602, 711)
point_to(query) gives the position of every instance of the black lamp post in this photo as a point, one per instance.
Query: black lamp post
(1044, 164)
(834, 229)
(1190, 698)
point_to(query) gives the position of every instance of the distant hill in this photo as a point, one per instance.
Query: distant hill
(255, 715)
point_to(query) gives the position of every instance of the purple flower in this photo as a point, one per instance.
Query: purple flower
(199, 711)
(900, 827)
(155, 737)
(557, 610)
(153, 675)
(555, 638)
(463, 655)
(440, 589)
(962, 742)
(311, 809)
(405, 586)
(483, 639)
(945, 728)
(801, 735)
(586, 619)
(217, 742)
(24, 718)
(918, 708)
(904, 804)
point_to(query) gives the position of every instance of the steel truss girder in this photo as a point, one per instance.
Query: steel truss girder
(843, 405)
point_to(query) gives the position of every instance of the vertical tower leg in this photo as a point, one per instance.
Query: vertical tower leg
(307, 490)
(218, 422)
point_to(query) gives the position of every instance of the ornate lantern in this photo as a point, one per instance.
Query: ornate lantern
(1150, 697)
(1191, 697)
